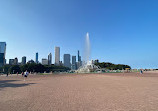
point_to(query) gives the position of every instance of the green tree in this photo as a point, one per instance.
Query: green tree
(111, 66)
(14, 69)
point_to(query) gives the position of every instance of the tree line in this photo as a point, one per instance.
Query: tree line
(32, 67)
(112, 66)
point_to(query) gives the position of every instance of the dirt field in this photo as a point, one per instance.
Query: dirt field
(80, 92)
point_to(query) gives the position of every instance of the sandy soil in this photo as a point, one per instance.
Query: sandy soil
(80, 92)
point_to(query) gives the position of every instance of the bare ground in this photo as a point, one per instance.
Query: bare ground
(80, 92)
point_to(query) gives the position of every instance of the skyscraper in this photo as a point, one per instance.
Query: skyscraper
(16, 61)
(23, 60)
(31, 61)
(5, 61)
(79, 63)
(67, 60)
(36, 60)
(73, 63)
(57, 55)
(96, 61)
(50, 59)
(2, 53)
(11, 61)
(78, 55)
(44, 61)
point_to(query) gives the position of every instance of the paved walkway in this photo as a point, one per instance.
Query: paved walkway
(80, 92)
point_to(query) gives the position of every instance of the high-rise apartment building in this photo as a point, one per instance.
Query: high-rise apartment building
(73, 66)
(50, 59)
(23, 60)
(11, 61)
(79, 63)
(36, 60)
(79, 58)
(44, 61)
(96, 61)
(16, 61)
(57, 55)
(2, 53)
(31, 61)
(67, 60)
(5, 61)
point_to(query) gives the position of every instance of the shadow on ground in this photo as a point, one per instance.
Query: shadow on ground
(9, 83)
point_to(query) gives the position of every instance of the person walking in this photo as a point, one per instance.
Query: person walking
(22, 74)
(7, 74)
(25, 75)
(141, 71)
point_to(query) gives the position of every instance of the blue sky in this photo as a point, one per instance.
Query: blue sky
(121, 31)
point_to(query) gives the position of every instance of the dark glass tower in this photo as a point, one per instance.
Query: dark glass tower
(50, 59)
(23, 60)
(73, 63)
(67, 60)
(2, 53)
(36, 58)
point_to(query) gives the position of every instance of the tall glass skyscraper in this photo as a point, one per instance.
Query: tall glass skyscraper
(67, 60)
(2, 53)
(36, 58)
(16, 61)
(78, 55)
(57, 55)
(11, 61)
(79, 63)
(73, 63)
(23, 60)
(50, 59)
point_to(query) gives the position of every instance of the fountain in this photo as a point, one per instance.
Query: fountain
(87, 65)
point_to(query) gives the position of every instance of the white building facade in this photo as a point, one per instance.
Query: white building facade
(57, 55)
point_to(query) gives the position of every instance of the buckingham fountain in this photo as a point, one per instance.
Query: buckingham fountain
(87, 65)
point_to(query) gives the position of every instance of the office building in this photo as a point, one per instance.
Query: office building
(60, 63)
(96, 61)
(11, 61)
(2, 53)
(31, 61)
(57, 55)
(44, 61)
(50, 59)
(5, 62)
(73, 66)
(36, 60)
(16, 61)
(67, 60)
(79, 57)
(23, 60)
(79, 63)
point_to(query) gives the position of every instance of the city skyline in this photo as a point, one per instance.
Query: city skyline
(121, 32)
(24, 60)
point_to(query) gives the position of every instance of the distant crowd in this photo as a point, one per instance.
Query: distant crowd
(23, 74)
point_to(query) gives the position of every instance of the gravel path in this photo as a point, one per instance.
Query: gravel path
(80, 92)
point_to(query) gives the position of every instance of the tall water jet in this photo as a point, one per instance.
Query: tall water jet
(87, 65)
(87, 49)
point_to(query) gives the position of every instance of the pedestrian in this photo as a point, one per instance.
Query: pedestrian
(25, 75)
(141, 71)
(22, 74)
(7, 74)
(17, 73)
